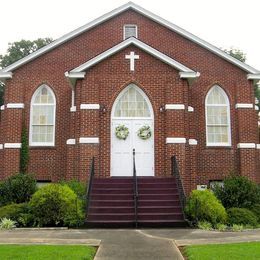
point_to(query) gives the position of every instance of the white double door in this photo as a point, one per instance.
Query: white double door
(122, 150)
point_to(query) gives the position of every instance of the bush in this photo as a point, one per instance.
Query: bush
(6, 223)
(237, 192)
(256, 210)
(56, 205)
(17, 189)
(241, 216)
(221, 227)
(78, 187)
(18, 213)
(204, 206)
(237, 228)
(204, 225)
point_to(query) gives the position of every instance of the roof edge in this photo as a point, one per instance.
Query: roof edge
(141, 10)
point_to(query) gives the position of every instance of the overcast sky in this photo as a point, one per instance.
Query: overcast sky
(223, 23)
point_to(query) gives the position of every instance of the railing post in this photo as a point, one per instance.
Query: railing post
(91, 176)
(135, 189)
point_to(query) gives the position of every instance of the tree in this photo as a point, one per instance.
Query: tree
(236, 53)
(24, 153)
(240, 55)
(18, 50)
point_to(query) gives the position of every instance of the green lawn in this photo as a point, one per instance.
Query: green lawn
(244, 251)
(40, 252)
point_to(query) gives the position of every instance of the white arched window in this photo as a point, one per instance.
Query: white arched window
(42, 117)
(218, 117)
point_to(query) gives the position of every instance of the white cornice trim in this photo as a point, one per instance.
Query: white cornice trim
(174, 106)
(132, 41)
(2, 107)
(75, 75)
(175, 140)
(5, 75)
(144, 12)
(246, 145)
(73, 109)
(190, 109)
(193, 142)
(189, 75)
(71, 141)
(1, 146)
(253, 76)
(89, 106)
(15, 105)
(89, 140)
(244, 105)
(257, 146)
(12, 145)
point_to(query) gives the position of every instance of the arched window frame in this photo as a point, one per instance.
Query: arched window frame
(39, 89)
(227, 105)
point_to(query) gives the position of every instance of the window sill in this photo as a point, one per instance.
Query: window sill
(42, 147)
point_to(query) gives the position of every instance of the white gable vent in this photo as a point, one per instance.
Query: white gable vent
(130, 30)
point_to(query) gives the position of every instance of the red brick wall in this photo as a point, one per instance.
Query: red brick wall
(160, 82)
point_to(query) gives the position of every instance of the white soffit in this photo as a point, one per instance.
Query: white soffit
(139, 9)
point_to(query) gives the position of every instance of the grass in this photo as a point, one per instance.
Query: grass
(243, 251)
(40, 252)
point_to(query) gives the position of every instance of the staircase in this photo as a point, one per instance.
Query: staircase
(111, 202)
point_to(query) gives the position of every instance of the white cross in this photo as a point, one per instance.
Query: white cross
(132, 57)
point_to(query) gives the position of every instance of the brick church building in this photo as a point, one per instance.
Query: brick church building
(131, 80)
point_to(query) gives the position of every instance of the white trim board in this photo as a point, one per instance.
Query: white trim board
(143, 46)
(15, 105)
(89, 140)
(246, 145)
(12, 145)
(174, 106)
(1, 146)
(89, 106)
(175, 140)
(142, 11)
(244, 105)
(257, 146)
(193, 142)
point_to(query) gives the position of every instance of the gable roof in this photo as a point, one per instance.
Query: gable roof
(139, 9)
(133, 41)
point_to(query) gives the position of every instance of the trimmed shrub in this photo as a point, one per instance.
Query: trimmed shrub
(204, 206)
(17, 189)
(237, 192)
(78, 187)
(204, 225)
(237, 228)
(221, 227)
(256, 210)
(16, 212)
(56, 205)
(241, 216)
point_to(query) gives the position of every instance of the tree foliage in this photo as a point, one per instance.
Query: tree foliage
(236, 53)
(24, 153)
(18, 50)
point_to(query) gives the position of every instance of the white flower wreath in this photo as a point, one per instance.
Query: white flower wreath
(122, 132)
(145, 132)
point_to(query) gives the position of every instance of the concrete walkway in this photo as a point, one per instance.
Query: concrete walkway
(128, 243)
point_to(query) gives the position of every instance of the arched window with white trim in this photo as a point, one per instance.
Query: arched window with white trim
(217, 117)
(42, 117)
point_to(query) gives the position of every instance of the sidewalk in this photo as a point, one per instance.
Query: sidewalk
(128, 243)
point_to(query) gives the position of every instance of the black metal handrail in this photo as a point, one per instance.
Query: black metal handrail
(135, 190)
(176, 173)
(91, 177)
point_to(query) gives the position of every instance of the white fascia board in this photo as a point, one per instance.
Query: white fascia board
(75, 75)
(189, 75)
(1, 146)
(90, 106)
(244, 105)
(89, 140)
(193, 142)
(253, 76)
(5, 75)
(71, 141)
(246, 145)
(174, 106)
(175, 140)
(15, 105)
(157, 54)
(257, 146)
(150, 15)
(190, 109)
(13, 145)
